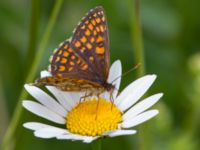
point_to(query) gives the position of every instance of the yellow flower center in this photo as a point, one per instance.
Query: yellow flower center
(93, 117)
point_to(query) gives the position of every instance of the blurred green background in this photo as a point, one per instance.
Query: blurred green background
(171, 34)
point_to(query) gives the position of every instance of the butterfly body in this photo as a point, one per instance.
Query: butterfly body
(82, 62)
(76, 85)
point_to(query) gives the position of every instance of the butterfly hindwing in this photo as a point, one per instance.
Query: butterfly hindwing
(68, 84)
(66, 64)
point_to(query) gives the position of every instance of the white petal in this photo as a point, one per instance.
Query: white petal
(45, 73)
(35, 125)
(114, 73)
(66, 99)
(42, 111)
(45, 99)
(56, 92)
(90, 139)
(50, 132)
(120, 133)
(139, 119)
(134, 91)
(76, 97)
(142, 106)
(63, 99)
(74, 137)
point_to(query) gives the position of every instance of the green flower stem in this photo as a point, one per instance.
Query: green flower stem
(136, 32)
(34, 22)
(96, 145)
(139, 57)
(18, 110)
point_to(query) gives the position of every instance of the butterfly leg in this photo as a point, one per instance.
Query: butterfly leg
(83, 97)
(111, 99)
(98, 96)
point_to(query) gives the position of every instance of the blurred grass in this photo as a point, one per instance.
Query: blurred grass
(14, 123)
(171, 41)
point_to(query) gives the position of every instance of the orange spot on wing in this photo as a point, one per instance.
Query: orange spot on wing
(57, 59)
(48, 79)
(63, 60)
(95, 15)
(101, 28)
(93, 22)
(95, 32)
(91, 58)
(66, 46)
(83, 27)
(70, 50)
(80, 81)
(70, 69)
(61, 68)
(59, 75)
(87, 32)
(99, 39)
(100, 50)
(97, 28)
(77, 44)
(88, 45)
(66, 54)
(73, 57)
(98, 20)
(78, 61)
(83, 39)
(72, 63)
(82, 49)
(59, 52)
(103, 18)
(85, 67)
(92, 39)
(90, 26)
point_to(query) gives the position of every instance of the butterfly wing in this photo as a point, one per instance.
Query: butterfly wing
(91, 43)
(66, 64)
(69, 84)
(83, 61)
(69, 72)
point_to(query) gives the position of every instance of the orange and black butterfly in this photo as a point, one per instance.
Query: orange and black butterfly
(82, 62)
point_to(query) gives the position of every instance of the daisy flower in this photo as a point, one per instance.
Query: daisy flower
(95, 116)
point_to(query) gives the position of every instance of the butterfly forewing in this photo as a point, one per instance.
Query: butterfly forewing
(91, 43)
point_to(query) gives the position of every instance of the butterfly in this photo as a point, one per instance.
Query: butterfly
(82, 62)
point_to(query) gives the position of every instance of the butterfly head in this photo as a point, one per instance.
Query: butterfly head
(109, 87)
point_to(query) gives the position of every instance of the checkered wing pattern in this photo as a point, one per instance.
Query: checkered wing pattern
(82, 61)
(66, 64)
(91, 43)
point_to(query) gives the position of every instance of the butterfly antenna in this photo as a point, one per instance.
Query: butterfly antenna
(132, 69)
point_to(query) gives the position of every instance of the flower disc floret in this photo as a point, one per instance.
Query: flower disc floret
(93, 117)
